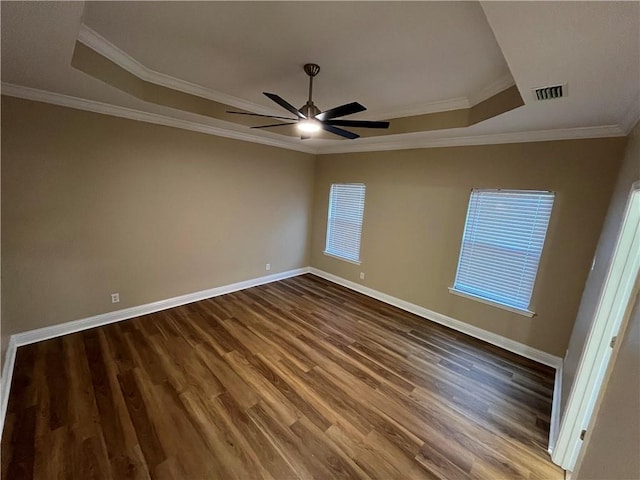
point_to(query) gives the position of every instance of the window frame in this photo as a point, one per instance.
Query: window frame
(456, 290)
(329, 231)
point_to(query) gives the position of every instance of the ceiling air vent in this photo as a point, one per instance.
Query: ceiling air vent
(549, 93)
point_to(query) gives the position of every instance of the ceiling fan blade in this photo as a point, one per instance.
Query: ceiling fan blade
(275, 125)
(358, 123)
(258, 115)
(305, 137)
(284, 104)
(339, 131)
(341, 111)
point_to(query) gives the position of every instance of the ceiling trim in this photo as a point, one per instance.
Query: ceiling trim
(458, 103)
(132, 114)
(93, 63)
(630, 118)
(373, 144)
(604, 131)
(492, 89)
(104, 47)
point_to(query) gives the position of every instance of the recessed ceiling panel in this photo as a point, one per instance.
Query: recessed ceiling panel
(420, 64)
(392, 56)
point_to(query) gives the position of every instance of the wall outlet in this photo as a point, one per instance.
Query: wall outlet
(361, 275)
(115, 297)
(267, 266)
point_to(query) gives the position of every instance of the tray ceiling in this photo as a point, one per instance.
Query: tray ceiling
(400, 59)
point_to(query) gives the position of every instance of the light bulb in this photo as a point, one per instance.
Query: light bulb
(309, 126)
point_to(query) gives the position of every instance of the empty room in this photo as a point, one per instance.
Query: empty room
(296, 240)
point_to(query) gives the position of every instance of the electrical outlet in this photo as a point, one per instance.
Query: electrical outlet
(267, 267)
(361, 275)
(115, 297)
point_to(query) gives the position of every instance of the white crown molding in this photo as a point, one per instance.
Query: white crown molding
(630, 117)
(458, 103)
(97, 42)
(124, 112)
(492, 89)
(104, 47)
(476, 332)
(421, 108)
(371, 144)
(411, 141)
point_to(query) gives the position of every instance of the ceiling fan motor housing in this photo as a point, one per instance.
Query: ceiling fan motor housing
(309, 110)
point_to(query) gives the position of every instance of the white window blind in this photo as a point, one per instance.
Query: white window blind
(501, 246)
(344, 225)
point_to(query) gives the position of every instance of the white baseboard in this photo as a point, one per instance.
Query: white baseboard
(53, 331)
(554, 427)
(66, 328)
(489, 337)
(5, 382)
(476, 332)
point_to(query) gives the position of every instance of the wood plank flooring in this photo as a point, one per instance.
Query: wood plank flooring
(295, 379)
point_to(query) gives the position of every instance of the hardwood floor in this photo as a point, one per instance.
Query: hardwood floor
(295, 379)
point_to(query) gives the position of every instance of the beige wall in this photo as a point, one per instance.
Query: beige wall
(612, 444)
(629, 173)
(415, 209)
(93, 204)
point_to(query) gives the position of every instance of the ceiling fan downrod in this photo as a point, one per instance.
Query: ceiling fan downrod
(309, 110)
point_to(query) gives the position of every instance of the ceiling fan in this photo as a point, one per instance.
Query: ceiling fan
(310, 119)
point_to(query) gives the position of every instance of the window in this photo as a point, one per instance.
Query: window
(344, 225)
(501, 246)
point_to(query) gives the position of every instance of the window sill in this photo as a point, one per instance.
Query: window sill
(355, 262)
(525, 313)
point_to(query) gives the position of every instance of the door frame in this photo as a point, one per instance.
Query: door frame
(612, 312)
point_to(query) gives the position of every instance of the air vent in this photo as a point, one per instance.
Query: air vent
(550, 93)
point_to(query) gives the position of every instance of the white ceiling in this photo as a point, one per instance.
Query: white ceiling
(376, 53)
(397, 58)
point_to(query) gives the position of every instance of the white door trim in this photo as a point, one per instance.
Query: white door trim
(612, 311)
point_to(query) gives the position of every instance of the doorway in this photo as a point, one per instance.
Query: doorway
(613, 310)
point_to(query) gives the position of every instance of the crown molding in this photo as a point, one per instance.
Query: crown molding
(457, 103)
(421, 108)
(495, 87)
(631, 117)
(132, 114)
(104, 47)
(371, 144)
(413, 141)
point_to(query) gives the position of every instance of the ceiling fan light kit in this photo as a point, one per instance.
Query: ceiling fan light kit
(310, 119)
(309, 126)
